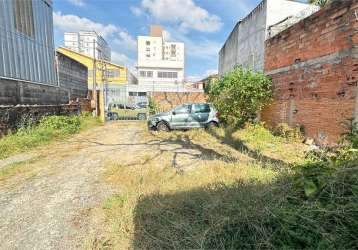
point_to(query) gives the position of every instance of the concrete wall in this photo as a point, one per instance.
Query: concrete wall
(314, 67)
(246, 43)
(72, 77)
(19, 92)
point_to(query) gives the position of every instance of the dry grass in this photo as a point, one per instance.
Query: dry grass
(161, 207)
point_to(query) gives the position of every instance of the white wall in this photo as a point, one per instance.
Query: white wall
(246, 43)
(156, 55)
(277, 10)
(156, 79)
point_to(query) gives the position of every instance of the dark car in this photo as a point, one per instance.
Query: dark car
(186, 116)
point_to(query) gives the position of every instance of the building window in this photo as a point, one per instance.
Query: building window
(147, 43)
(146, 74)
(148, 49)
(142, 94)
(167, 74)
(148, 55)
(173, 50)
(24, 18)
(113, 73)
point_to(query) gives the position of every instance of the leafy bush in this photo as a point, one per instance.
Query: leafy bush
(320, 3)
(351, 137)
(285, 131)
(240, 95)
(153, 106)
(49, 128)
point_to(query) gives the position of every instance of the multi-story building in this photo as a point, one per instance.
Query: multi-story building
(88, 43)
(245, 45)
(159, 62)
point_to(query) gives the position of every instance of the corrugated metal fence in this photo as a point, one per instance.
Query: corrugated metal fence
(26, 41)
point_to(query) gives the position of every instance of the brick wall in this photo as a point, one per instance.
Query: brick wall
(168, 100)
(314, 67)
(13, 117)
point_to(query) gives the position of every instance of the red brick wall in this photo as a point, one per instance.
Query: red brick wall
(314, 68)
(168, 100)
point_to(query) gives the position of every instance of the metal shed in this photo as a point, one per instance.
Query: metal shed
(27, 51)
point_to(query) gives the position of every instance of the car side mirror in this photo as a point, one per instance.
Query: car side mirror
(174, 113)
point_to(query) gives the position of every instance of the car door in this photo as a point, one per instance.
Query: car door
(180, 115)
(199, 115)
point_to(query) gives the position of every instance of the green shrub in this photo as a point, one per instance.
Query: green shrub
(65, 124)
(153, 107)
(320, 3)
(351, 137)
(285, 131)
(240, 95)
(49, 128)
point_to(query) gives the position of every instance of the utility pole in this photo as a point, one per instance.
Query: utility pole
(104, 85)
(94, 86)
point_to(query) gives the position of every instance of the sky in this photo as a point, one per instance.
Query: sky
(203, 25)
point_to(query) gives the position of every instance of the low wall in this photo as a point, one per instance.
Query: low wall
(13, 92)
(169, 100)
(13, 117)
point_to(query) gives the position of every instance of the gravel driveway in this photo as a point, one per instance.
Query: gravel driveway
(50, 205)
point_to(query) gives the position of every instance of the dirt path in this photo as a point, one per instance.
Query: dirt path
(52, 203)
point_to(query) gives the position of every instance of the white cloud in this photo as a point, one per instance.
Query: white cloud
(136, 11)
(199, 48)
(122, 59)
(166, 35)
(196, 78)
(210, 72)
(112, 33)
(77, 2)
(126, 41)
(185, 13)
(75, 23)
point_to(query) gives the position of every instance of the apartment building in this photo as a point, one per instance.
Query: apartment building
(88, 43)
(245, 45)
(160, 62)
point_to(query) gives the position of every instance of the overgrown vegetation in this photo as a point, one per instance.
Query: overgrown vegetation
(320, 3)
(153, 106)
(48, 129)
(238, 205)
(291, 134)
(240, 95)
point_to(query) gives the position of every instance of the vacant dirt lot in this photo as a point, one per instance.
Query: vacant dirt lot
(49, 202)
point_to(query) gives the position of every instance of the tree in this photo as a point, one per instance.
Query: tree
(320, 3)
(240, 95)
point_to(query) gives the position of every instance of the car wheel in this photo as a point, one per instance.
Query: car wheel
(212, 125)
(141, 116)
(162, 126)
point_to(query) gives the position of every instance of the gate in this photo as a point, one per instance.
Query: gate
(122, 104)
